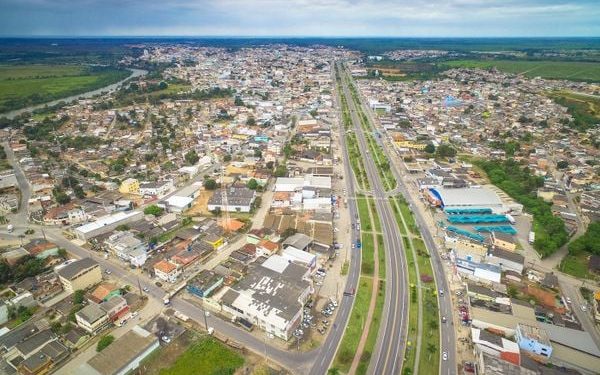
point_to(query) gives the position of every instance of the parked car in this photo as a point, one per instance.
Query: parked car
(166, 339)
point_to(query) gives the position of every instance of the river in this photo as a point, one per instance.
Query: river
(89, 94)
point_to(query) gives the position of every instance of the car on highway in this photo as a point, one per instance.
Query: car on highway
(350, 293)
(445, 356)
(441, 292)
(443, 319)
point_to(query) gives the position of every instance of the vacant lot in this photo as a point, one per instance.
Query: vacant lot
(24, 85)
(572, 70)
(206, 356)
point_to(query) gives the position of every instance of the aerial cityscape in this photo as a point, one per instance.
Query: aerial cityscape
(272, 187)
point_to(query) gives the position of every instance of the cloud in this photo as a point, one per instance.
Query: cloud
(301, 17)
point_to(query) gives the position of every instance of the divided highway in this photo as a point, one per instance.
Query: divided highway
(448, 337)
(388, 355)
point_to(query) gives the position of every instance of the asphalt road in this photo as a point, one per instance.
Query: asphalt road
(20, 218)
(448, 339)
(388, 354)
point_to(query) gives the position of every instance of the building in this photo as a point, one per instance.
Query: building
(465, 248)
(40, 248)
(166, 271)
(573, 348)
(124, 355)
(176, 203)
(127, 247)
(92, 318)
(301, 257)
(106, 224)
(80, 274)
(488, 364)
(156, 189)
(498, 346)
(239, 199)
(465, 198)
(503, 241)
(205, 283)
(533, 339)
(115, 308)
(104, 292)
(271, 296)
(506, 260)
(130, 186)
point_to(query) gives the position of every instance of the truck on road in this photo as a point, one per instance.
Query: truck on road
(531, 237)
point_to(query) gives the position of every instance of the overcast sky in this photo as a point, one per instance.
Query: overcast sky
(301, 17)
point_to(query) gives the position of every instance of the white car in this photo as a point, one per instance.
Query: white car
(583, 308)
(445, 356)
(166, 339)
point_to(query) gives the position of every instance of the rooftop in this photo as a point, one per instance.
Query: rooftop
(73, 269)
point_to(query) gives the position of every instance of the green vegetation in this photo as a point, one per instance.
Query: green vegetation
(25, 267)
(25, 85)
(577, 261)
(585, 110)
(589, 242)
(571, 70)
(210, 184)
(153, 210)
(518, 182)
(104, 342)
(576, 265)
(191, 157)
(209, 355)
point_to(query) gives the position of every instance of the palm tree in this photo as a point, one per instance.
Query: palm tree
(333, 371)
(431, 349)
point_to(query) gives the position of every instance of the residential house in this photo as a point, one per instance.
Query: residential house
(167, 271)
(534, 339)
(130, 186)
(92, 318)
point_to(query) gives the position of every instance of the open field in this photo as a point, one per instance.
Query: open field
(572, 70)
(585, 109)
(24, 85)
(207, 354)
(576, 265)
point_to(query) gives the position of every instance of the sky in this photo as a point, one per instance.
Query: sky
(402, 18)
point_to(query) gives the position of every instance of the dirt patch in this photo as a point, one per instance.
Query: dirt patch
(200, 206)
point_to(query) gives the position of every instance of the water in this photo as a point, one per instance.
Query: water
(89, 94)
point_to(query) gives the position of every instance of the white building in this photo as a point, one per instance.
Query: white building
(167, 271)
(106, 224)
(271, 296)
(156, 189)
(129, 248)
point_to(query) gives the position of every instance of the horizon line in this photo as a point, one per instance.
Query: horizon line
(91, 36)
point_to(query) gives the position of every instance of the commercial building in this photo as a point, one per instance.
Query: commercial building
(124, 355)
(106, 224)
(80, 274)
(155, 189)
(271, 296)
(506, 260)
(465, 198)
(239, 199)
(573, 348)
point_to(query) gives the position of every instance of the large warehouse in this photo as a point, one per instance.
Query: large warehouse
(465, 198)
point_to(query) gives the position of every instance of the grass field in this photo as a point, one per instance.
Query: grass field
(210, 356)
(25, 85)
(576, 265)
(572, 70)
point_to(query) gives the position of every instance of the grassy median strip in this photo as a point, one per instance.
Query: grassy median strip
(355, 326)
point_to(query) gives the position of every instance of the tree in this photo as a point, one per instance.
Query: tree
(445, 151)
(153, 210)
(288, 232)
(333, 371)
(257, 153)
(191, 157)
(163, 85)
(216, 211)
(251, 121)
(252, 184)
(280, 171)
(431, 349)
(430, 148)
(104, 342)
(78, 296)
(563, 164)
(227, 158)
(62, 253)
(238, 101)
(210, 184)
